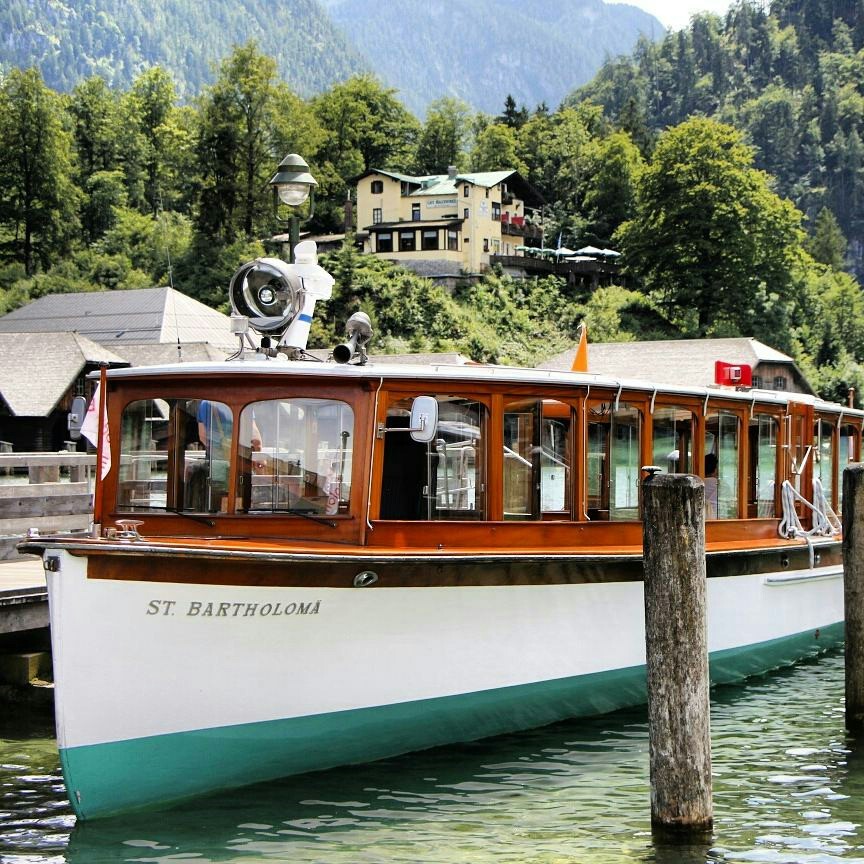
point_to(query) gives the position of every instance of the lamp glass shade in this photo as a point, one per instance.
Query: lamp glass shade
(293, 194)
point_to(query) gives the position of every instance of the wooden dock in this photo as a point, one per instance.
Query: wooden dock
(23, 596)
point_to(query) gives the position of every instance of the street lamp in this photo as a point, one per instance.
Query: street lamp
(292, 185)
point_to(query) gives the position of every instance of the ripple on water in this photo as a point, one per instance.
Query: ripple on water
(787, 783)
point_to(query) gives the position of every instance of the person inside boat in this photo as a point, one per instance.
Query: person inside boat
(209, 485)
(711, 488)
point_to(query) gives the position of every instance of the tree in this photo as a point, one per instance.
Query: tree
(367, 127)
(442, 140)
(709, 238)
(95, 111)
(149, 113)
(513, 117)
(38, 200)
(495, 150)
(244, 126)
(828, 245)
(610, 198)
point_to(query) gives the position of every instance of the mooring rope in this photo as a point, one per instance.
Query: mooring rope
(825, 521)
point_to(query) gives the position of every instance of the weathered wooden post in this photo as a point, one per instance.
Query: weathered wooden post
(676, 646)
(853, 593)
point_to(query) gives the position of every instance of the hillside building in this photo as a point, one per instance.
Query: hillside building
(453, 222)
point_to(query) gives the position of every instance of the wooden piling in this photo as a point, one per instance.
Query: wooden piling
(677, 653)
(853, 593)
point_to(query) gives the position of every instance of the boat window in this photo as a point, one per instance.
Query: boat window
(673, 439)
(762, 485)
(613, 458)
(846, 455)
(536, 459)
(443, 479)
(823, 455)
(721, 465)
(174, 455)
(295, 455)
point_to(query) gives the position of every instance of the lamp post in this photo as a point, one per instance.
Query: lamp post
(292, 185)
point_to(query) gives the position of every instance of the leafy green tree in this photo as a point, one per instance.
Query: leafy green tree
(709, 238)
(149, 113)
(38, 200)
(610, 198)
(441, 142)
(105, 194)
(94, 107)
(245, 124)
(495, 150)
(366, 127)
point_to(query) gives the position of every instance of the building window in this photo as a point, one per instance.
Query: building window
(407, 241)
(757, 382)
(465, 191)
(376, 216)
(496, 247)
(496, 211)
(384, 242)
(452, 240)
(415, 212)
(485, 244)
(466, 213)
(430, 239)
(377, 187)
(779, 382)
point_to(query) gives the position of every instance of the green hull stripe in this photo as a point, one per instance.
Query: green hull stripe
(106, 779)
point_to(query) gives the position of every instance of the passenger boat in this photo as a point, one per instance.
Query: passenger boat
(296, 564)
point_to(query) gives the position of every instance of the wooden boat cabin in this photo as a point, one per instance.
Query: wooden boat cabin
(323, 452)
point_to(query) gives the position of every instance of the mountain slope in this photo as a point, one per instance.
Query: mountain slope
(117, 39)
(484, 49)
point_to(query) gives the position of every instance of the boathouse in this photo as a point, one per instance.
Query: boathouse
(48, 347)
(689, 362)
(40, 375)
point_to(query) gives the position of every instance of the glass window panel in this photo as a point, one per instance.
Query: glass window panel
(763, 466)
(673, 439)
(823, 453)
(175, 455)
(613, 457)
(443, 479)
(721, 465)
(521, 459)
(295, 456)
(555, 457)
(536, 459)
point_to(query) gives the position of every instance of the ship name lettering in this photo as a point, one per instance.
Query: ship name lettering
(200, 609)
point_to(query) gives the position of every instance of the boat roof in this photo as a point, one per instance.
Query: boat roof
(480, 373)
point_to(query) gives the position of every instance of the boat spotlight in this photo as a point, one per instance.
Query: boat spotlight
(359, 329)
(267, 293)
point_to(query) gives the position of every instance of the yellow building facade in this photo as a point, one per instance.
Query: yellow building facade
(461, 219)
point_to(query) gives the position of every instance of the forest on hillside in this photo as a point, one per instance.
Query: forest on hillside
(106, 189)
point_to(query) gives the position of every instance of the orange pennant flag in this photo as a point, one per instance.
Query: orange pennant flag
(580, 361)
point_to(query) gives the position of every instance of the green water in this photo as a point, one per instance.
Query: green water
(788, 787)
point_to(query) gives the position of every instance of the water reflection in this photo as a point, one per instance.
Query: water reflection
(787, 788)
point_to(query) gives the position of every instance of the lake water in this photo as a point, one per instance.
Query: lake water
(788, 787)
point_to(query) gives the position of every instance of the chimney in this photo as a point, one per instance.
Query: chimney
(349, 214)
(452, 171)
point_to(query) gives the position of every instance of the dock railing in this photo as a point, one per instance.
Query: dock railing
(50, 492)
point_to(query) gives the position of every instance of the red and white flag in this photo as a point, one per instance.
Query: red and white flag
(90, 430)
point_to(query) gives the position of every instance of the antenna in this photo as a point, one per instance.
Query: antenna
(170, 276)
